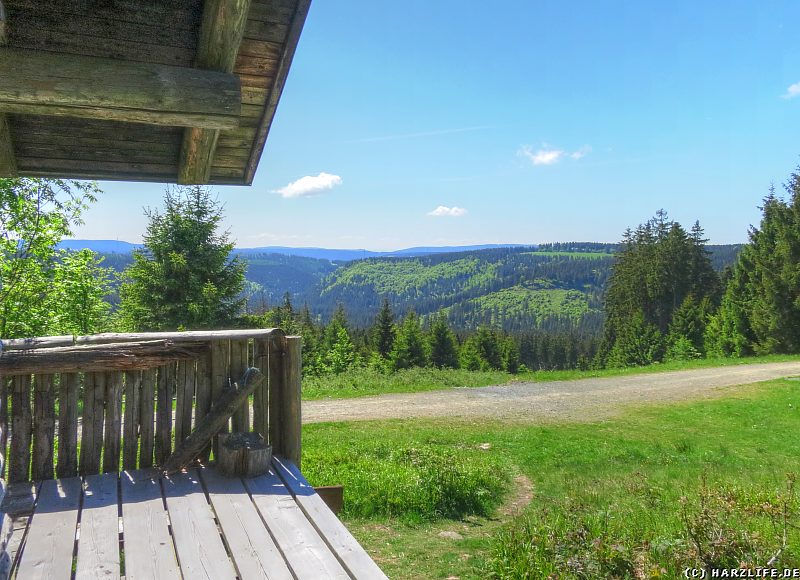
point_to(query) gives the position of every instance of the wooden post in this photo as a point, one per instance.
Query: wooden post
(132, 422)
(239, 349)
(291, 419)
(113, 421)
(243, 455)
(166, 384)
(261, 394)
(20, 452)
(277, 345)
(147, 418)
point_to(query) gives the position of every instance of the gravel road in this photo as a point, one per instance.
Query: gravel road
(582, 399)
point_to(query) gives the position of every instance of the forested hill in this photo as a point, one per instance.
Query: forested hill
(549, 287)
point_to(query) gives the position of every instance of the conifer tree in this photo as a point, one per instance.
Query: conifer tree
(383, 331)
(443, 343)
(409, 344)
(184, 278)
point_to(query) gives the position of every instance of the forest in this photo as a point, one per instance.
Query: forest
(661, 293)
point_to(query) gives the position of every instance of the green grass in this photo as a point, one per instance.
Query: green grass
(643, 494)
(361, 382)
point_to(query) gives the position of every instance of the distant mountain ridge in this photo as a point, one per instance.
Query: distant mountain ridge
(333, 254)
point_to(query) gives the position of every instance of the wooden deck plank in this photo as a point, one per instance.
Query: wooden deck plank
(98, 545)
(304, 550)
(51, 537)
(347, 549)
(198, 544)
(149, 552)
(253, 549)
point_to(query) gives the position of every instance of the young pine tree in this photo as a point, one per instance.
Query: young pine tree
(383, 331)
(409, 345)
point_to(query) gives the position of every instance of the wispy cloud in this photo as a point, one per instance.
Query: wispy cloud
(581, 153)
(433, 133)
(792, 92)
(309, 185)
(444, 211)
(547, 155)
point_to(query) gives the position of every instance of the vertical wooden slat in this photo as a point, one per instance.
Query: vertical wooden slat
(261, 396)
(68, 387)
(87, 422)
(131, 422)
(20, 453)
(203, 396)
(4, 424)
(220, 356)
(290, 402)
(113, 427)
(44, 426)
(94, 393)
(184, 399)
(147, 417)
(277, 344)
(166, 387)
(241, 418)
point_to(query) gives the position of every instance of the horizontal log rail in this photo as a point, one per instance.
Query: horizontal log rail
(111, 337)
(101, 403)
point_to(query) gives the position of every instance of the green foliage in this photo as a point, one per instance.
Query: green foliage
(442, 343)
(80, 286)
(413, 483)
(510, 356)
(37, 285)
(409, 345)
(184, 278)
(383, 331)
(760, 311)
(662, 283)
(341, 354)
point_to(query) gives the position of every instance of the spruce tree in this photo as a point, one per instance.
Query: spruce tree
(409, 345)
(443, 343)
(383, 331)
(184, 277)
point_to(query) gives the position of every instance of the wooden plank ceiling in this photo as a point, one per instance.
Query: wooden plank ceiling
(142, 90)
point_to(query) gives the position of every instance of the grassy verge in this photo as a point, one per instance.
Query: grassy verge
(643, 495)
(365, 381)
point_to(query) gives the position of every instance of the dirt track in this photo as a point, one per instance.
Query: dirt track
(583, 399)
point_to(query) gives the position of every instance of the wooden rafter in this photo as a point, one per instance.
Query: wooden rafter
(47, 83)
(8, 161)
(220, 37)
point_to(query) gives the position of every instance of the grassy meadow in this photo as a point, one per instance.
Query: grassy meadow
(657, 489)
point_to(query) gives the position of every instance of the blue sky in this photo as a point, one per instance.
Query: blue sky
(442, 122)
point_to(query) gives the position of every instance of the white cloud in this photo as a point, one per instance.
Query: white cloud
(444, 211)
(309, 185)
(547, 155)
(793, 91)
(544, 156)
(582, 152)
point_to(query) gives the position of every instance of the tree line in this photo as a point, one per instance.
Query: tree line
(664, 300)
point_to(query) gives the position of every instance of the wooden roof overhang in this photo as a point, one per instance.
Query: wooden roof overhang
(142, 90)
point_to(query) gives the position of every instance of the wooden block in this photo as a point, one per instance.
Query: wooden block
(243, 455)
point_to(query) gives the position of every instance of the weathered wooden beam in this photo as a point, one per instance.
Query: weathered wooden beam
(8, 160)
(48, 83)
(292, 38)
(220, 37)
(120, 337)
(104, 357)
(227, 403)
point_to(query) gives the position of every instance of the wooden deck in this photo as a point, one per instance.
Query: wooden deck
(197, 524)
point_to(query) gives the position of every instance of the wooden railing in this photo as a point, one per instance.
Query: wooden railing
(104, 403)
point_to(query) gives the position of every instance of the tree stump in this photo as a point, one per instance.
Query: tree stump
(243, 455)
